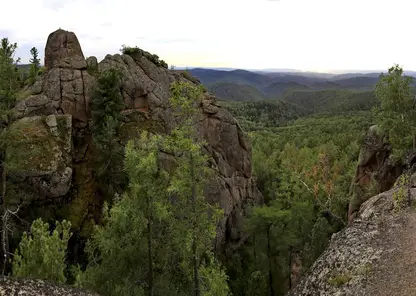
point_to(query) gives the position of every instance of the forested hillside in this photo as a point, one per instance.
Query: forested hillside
(126, 178)
(304, 169)
(233, 85)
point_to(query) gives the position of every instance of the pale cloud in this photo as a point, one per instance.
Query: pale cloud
(300, 34)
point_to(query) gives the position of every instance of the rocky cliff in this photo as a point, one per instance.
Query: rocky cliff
(52, 119)
(376, 171)
(373, 256)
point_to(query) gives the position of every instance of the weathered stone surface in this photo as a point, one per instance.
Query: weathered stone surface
(64, 51)
(376, 172)
(39, 153)
(146, 89)
(66, 89)
(369, 256)
(30, 287)
(92, 63)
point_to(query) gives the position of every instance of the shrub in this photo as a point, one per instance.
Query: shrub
(41, 253)
(154, 58)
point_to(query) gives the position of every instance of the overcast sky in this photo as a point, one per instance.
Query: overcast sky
(317, 35)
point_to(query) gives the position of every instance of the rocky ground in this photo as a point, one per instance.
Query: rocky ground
(375, 255)
(27, 287)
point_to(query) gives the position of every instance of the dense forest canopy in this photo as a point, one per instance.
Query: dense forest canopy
(157, 229)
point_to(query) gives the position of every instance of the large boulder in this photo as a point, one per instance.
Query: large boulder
(39, 155)
(64, 51)
(66, 88)
(30, 287)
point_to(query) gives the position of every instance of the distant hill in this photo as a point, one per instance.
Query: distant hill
(332, 100)
(279, 88)
(358, 82)
(275, 84)
(209, 77)
(236, 92)
(352, 75)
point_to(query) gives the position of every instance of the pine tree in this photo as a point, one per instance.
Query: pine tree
(9, 76)
(199, 218)
(157, 239)
(41, 253)
(106, 106)
(9, 86)
(140, 220)
(34, 65)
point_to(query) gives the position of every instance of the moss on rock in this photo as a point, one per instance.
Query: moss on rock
(32, 149)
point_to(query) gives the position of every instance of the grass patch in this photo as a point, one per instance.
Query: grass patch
(339, 279)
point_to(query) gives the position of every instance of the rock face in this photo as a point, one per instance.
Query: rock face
(372, 256)
(64, 51)
(65, 91)
(375, 172)
(28, 287)
(40, 155)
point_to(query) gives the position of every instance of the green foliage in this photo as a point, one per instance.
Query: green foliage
(214, 280)
(396, 114)
(107, 100)
(116, 252)
(304, 169)
(153, 234)
(199, 218)
(401, 195)
(106, 106)
(136, 51)
(254, 116)
(331, 100)
(9, 76)
(34, 65)
(277, 230)
(41, 253)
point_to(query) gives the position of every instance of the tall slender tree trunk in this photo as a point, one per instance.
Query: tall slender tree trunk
(149, 245)
(4, 243)
(254, 252)
(194, 251)
(269, 256)
(290, 267)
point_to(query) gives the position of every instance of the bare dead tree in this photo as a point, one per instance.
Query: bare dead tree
(5, 230)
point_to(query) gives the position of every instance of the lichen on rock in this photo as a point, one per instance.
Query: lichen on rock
(359, 257)
(39, 153)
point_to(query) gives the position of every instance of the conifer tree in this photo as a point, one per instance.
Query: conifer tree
(34, 64)
(140, 220)
(106, 106)
(9, 86)
(199, 218)
(41, 253)
(157, 239)
(9, 76)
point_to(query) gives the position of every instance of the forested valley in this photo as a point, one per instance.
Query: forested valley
(155, 231)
